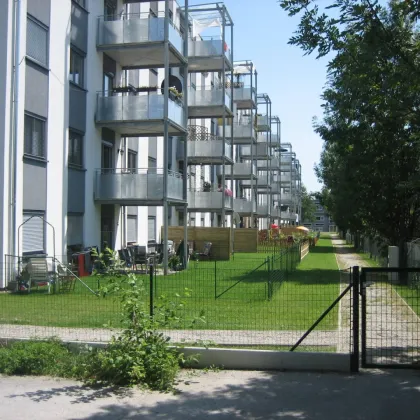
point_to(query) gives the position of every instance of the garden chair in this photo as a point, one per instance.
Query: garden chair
(140, 257)
(66, 279)
(206, 253)
(37, 269)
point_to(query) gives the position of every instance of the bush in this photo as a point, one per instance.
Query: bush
(39, 358)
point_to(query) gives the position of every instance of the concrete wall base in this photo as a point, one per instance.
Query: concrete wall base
(244, 359)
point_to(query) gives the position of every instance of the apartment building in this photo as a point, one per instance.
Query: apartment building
(323, 222)
(124, 117)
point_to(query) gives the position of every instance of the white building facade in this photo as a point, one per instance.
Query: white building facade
(118, 121)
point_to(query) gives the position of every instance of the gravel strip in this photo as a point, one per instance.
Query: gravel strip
(228, 337)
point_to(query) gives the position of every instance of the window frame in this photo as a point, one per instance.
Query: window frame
(44, 136)
(72, 163)
(29, 214)
(74, 52)
(150, 218)
(47, 41)
(132, 153)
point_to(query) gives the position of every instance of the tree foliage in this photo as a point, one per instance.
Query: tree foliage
(308, 205)
(371, 156)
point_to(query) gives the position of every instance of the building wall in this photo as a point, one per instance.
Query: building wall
(323, 222)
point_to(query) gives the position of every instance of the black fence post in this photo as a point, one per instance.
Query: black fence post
(269, 278)
(354, 359)
(362, 291)
(151, 297)
(215, 279)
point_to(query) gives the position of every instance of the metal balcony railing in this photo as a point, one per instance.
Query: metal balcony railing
(244, 206)
(242, 133)
(263, 123)
(244, 96)
(136, 28)
(259, 151)
(136, 185)
(241, 170)
(209, 47)
(208, 96)
(209, 200)
(112, 106)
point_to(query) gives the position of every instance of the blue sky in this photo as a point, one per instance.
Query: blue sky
(293, 82)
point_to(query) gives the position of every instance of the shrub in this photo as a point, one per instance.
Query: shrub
(34, 357)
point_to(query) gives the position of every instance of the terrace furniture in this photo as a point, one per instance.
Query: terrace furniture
(37, 270)
(66, 279)
(206, 253)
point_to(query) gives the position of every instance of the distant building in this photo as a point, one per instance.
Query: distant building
(323, 222)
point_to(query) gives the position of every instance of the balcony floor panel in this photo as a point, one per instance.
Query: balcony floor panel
(245, 104)
(208, 111)
(208, 64)
(147, 55)
(150, 128)
(209, 160)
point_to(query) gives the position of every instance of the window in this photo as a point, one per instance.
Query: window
(75, 149)
(319, 217)
(34, 136)
(192, 221)
(152, 228)
(132, 229)
(76, 68)
(107, 156)
(33, 233)
(74, 229)
(203, 222)
(37, 41)
(131, 159)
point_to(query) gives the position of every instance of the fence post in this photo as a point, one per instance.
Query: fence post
(354, 358)
(215, 279)
(151, 297)
(269, 277)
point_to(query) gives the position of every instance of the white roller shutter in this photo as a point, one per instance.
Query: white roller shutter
(33, 234)
(74, 230)
(131, 228)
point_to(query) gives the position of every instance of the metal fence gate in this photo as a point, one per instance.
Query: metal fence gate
(390, 317)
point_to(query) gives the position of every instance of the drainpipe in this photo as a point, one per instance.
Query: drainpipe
(14, 125)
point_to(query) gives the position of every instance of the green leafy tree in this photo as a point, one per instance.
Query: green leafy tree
(308, 205)
(370, 127)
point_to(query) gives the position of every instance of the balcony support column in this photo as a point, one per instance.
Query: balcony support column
(223, 117)
(185, 163)
(166, 142)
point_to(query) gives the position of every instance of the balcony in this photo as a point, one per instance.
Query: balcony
(263, 123)
(136, 187)
(138, 115)
(136, 40)
(245, 97)
(286, 162)
(244, 207)
(263, 210)
(265, 181)
(208, 102)
(268, 165)
(240, 170)
(242, 133)
(207, 55)
(259, 151)
(209, 201)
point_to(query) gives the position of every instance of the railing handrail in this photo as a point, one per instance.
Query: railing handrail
(137, 171)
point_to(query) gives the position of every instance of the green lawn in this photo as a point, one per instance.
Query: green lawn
(240, 286)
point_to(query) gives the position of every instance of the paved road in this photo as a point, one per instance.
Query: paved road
(370, 395)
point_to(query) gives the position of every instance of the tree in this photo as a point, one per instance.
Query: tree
(371, 123)
(308, 205)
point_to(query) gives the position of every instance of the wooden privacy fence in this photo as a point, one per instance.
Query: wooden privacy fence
(304, 249)
(219, 237)
(245, 240)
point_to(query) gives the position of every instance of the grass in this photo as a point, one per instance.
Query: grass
(241, 285)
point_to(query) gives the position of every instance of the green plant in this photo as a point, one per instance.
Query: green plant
(140, 354)
(173, 262)
(34, 357)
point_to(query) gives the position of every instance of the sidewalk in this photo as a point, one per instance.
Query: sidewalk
(370, 395)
